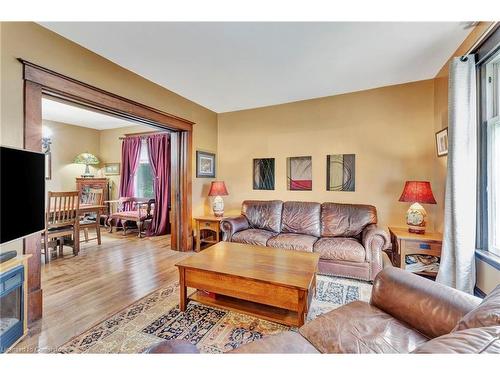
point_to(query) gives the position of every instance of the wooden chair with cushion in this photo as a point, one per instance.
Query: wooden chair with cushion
(93, 197)
(61, 220)
(126, 209)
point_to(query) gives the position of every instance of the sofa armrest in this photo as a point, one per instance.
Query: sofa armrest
(231, 225)
(431, 308)
(374, 241)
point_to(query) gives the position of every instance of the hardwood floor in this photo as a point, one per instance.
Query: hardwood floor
(80, 291)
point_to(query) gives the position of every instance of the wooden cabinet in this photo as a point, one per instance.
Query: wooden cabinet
(405, 243)
(83, 185)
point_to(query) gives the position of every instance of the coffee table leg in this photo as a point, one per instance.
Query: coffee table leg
(183, 289)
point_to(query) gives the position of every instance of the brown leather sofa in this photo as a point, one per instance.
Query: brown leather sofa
(345, 235)
(406, 314)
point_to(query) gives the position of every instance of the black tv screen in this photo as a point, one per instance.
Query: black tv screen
(22, 193)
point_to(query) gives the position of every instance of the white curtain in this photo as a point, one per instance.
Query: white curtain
(457, 267)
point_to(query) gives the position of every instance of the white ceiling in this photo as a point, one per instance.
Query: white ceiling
(68, 114)
(232, 66)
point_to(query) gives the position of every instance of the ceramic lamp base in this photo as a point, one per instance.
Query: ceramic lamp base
(416, 218)
(218, 206)
(87, 173)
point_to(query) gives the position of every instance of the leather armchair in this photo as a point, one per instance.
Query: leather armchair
(406, 314)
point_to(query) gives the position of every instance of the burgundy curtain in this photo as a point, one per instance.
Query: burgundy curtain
(159, 159)
(131, 148)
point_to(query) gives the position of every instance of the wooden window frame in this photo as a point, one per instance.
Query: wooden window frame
(40, 82)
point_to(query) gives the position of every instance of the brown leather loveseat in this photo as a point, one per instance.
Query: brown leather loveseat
(345, 235)
(406, 314)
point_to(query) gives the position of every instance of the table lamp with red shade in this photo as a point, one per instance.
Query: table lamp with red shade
(417, 192)
(217, 189)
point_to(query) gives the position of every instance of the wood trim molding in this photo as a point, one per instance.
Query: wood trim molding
(32, 244)
(39, 81)
(55, 83)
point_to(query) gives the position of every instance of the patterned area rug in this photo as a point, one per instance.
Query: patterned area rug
(157, 317)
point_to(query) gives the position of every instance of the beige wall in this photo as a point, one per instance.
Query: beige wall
(41, 46)
(390, 129)
(67, 142)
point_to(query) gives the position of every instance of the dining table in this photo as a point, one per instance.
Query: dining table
(86, 208)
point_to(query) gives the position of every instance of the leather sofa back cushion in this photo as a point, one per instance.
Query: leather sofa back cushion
(346, 220)
(468, 341)
(263, 214)
(487, 314)
(302, 218)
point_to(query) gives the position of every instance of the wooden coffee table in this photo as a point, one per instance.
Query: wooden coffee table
(268, 283)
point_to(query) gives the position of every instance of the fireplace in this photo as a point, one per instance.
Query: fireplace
(12, 314)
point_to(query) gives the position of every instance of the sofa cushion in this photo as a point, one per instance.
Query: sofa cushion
(253, 236)
(467, 341)
(346, 220)
(293, 241)
(263, 214)
(487, 314)
(302, 218)
(282, 343)
(360, 328)
(340, 248)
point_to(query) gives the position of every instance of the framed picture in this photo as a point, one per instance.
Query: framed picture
(299, 172)
(205, 164)
(442, 142)
(263, 174)
(111, 169)
(341, 172)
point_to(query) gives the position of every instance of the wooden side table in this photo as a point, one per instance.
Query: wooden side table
(406, 243)
(207, 223)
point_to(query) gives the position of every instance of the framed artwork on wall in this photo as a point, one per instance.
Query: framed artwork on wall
(341, 172)
(111, 169)
(263, 174)
(299, 172)
(205, 164)
(442, 142)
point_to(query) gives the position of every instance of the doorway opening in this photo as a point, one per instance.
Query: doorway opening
(42, 83)
(84, 152)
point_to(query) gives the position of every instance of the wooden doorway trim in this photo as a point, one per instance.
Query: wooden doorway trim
(38, 82)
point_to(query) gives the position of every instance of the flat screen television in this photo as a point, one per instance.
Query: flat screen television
(22, 193)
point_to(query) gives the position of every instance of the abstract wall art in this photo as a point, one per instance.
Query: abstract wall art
(340, 172)
(299, 173)
(263, 174)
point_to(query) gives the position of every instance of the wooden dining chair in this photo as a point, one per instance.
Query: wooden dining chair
(61, 220)
(94, 197)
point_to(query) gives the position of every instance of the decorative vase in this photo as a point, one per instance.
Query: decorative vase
(416, 218)
(218, 206)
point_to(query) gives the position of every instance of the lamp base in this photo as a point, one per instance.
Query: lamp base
(87, 173)
(218, 206)
(416, 219)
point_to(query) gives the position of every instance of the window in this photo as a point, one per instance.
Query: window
(492, 140)
(144, 181)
